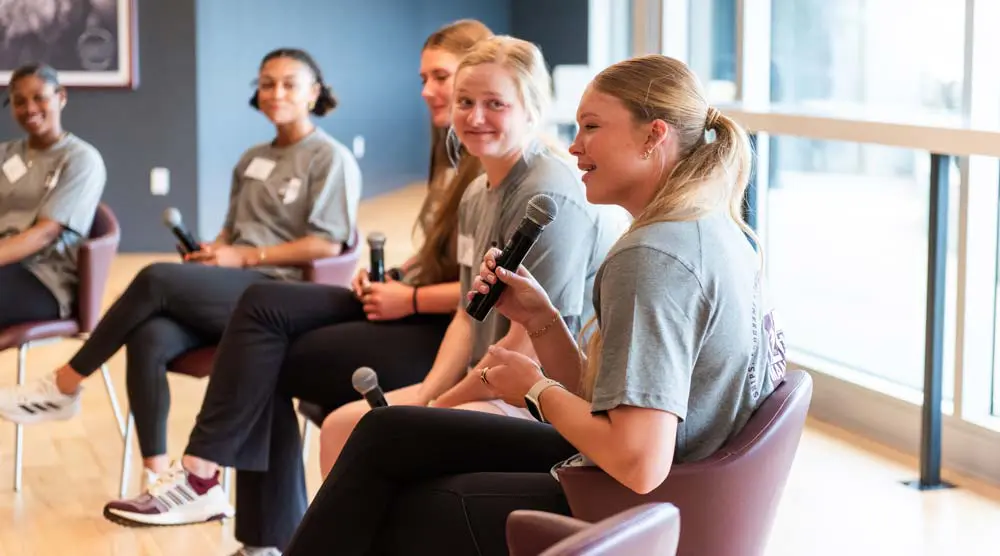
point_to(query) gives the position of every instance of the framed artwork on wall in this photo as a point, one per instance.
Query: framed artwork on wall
(91, 43)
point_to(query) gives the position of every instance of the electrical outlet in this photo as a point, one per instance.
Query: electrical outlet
(359, 146)
(159, 181)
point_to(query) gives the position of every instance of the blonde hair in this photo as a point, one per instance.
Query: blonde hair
(714, 155)
(441, 235)
(526, 65)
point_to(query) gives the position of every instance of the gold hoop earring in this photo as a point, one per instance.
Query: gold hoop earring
(645, 155)
(312, 105)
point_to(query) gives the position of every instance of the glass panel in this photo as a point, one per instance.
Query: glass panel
(847, 256)
(850, 55)
(712, 44)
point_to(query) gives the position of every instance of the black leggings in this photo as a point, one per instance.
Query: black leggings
(416, 480)
(23, 298)
(168, 309)
(294, 341)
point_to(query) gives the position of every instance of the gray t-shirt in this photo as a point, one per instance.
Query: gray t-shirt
(63, 183)
(567, 254)
(686, 329)
(281, 194)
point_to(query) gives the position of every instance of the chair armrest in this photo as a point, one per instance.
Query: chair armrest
(529, 533)
(333, 271)
(95, 258)
(646, 529)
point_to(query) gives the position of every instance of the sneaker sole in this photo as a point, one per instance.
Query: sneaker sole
(149, 520)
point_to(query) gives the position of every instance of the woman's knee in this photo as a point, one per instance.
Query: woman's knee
(154, 274)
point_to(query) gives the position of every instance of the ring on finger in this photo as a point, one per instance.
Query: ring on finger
(482, 375)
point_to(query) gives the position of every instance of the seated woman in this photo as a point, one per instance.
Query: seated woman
(50, 185)
(247, 419)
(677, 366)
(292, 200)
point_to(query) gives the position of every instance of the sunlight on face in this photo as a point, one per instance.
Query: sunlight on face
(608, 148)
(489, 116)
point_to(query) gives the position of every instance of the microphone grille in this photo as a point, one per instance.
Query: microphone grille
(376, 239)
(364, 380)
(542, 210)
(172, 217)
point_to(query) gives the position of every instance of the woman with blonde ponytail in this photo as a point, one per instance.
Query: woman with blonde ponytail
(683, 353)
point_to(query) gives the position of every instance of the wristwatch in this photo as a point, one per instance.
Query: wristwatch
(531, 398)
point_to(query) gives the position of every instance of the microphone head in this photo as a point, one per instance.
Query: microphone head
(364, 380)
(376, 240)
(542, 210)
(172, 217)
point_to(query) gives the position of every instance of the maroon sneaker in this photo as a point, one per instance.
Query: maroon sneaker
(176, 498)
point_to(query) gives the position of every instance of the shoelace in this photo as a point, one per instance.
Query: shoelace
(167, 481)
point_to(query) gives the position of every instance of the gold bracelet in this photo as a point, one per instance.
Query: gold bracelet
(261, 255)
(543, 329)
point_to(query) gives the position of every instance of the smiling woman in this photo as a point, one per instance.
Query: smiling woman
(50, 185)
(292, 200)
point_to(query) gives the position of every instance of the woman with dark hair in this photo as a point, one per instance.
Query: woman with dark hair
(304, 341)
(50, 185)
(292, 200)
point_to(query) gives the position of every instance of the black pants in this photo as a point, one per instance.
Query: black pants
(23, 298)
(168, 309)
(415, 480)
(294, 341)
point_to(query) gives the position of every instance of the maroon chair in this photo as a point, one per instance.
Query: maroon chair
(94, 259)
(652, 529)
(728, 500)
(334, 271)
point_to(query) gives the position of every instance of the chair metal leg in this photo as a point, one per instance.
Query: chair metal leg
(126, 455)
(113, 398)
(22, 366)
(306, 437)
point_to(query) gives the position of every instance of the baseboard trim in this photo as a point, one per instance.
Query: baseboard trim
(968, 449)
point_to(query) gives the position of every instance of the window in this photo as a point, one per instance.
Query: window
(890, 56)
(712, 46)
(847, 257)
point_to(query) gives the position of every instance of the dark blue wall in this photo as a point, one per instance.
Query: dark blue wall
(558, 27)
(370, 55)
(151, 126)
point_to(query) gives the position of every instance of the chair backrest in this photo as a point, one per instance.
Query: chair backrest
(728, 500)
(94, 264)
(338, 270)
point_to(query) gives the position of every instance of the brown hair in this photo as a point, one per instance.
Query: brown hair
(713, 167)
(441, 235)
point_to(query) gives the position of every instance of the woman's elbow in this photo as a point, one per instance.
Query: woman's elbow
(321, 248)
(645, 472)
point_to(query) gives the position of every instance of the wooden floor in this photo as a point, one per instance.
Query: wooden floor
(843, 497)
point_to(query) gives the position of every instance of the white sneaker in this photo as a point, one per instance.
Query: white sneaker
(177, 498)
(38, 401)
(149, 478)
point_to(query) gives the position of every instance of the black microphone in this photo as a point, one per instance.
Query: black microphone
(365, 381)
(376, 250)
(541, 211)
(172, 219)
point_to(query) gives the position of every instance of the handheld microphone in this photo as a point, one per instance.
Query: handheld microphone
(365, 381)
(541, 211)
(376, 250)
(172, 219)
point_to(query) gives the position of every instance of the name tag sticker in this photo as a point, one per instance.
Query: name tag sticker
(465, 250)
(14, 169)
(290, 191)
(259, 169)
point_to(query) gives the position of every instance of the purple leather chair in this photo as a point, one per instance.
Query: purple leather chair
(728, 500)
(335, 271)
(652, 529)
(94, 263)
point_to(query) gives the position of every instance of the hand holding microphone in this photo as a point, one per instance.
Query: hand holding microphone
(173, 221)
(365, 382)
(503, 268)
